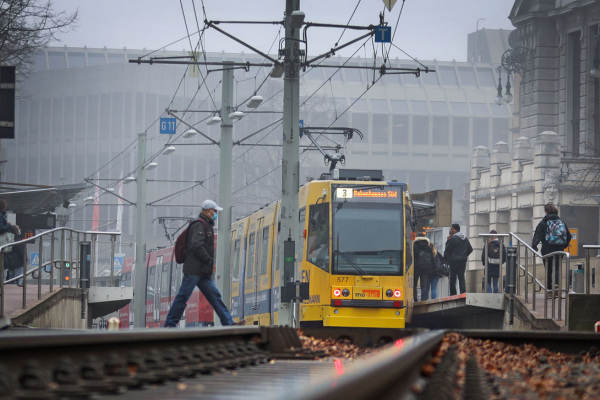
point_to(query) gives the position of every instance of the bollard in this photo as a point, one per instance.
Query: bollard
(511, 272)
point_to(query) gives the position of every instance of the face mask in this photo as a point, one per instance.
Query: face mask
(215, 216)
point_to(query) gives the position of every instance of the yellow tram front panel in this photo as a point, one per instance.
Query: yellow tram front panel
(379, 301)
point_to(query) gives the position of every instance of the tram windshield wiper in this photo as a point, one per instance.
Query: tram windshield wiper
(350, 262)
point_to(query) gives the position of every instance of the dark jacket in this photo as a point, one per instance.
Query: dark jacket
(201, 248)
(540, 236)
(14, 259)
(493, 268)
(457, 249)
(421, 247)
(4, 225)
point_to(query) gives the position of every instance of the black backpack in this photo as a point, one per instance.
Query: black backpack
(494, 253)
(425, 261)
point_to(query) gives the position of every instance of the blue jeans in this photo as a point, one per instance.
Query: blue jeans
(11, 273)
(433, 281)
(208, 289)
(493, 279)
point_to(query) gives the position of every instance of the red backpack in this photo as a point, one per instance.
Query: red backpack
(182, 242)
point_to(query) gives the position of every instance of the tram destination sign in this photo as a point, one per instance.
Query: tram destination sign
(376, 193)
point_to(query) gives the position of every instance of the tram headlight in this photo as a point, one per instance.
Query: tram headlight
(389, 293)
(337, 292)
(345, 293)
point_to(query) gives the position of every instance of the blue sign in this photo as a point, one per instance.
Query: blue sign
(118, 263)
(168, 125)
(301, 123)
(35, 259)
(383, 34)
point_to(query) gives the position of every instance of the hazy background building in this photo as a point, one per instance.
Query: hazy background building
(81, 110)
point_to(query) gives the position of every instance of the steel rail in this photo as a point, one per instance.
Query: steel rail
(374, 377)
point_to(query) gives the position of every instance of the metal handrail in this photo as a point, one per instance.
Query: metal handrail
(588, 265)
(42, 266)
(549, 292)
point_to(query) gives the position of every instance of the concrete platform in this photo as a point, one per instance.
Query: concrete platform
(463, 311)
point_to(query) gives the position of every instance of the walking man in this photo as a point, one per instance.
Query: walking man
(456, 253)
(198, 268)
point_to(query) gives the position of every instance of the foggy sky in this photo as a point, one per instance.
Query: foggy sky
(427, 29)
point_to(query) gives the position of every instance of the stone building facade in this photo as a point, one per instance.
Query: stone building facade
(556, 127)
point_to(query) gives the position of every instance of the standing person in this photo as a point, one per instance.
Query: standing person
(198, 268)
(456, 253)
(494, 262)
(13, 261)
(554, 236)
(423, 266)
(5, 226)
(438, 268)
(6, 231)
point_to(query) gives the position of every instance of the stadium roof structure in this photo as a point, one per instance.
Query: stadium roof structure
(37, 199)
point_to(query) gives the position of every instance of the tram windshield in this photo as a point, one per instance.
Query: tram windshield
(367, 238)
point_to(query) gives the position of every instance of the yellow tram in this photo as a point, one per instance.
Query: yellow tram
(354, 252)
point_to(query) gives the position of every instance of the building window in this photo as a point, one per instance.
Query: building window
(481, 134)
(76, 59)
(56, 59)
(448, 76)
(460, 132)
(441, 131)
(420, 130)
(573, 92)
(467, 76)
(380, 128)
(399, 129)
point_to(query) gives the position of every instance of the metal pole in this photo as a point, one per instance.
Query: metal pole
(290, 167)
(511, 270)
(223, 276)
(139, 290)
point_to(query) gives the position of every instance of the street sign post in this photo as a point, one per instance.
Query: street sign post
(118, 262)
(383, 34)
(168, 126)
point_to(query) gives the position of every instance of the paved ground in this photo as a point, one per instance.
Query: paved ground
(13, 297)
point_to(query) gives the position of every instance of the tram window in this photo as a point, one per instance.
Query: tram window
(164, 284)
(301, 223)
(236, 260)
(318, 236)
(250, 263)
(151, 276)
(374, 249)
(265, 251)
(176, 278)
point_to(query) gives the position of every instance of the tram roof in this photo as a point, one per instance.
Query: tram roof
(36, 199)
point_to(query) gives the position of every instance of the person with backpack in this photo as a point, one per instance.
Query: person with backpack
(456, 252)
(554, 235)
(494, 261)
(198, 267)
(423, 266)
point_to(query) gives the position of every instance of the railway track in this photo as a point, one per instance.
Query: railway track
(262, 363)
